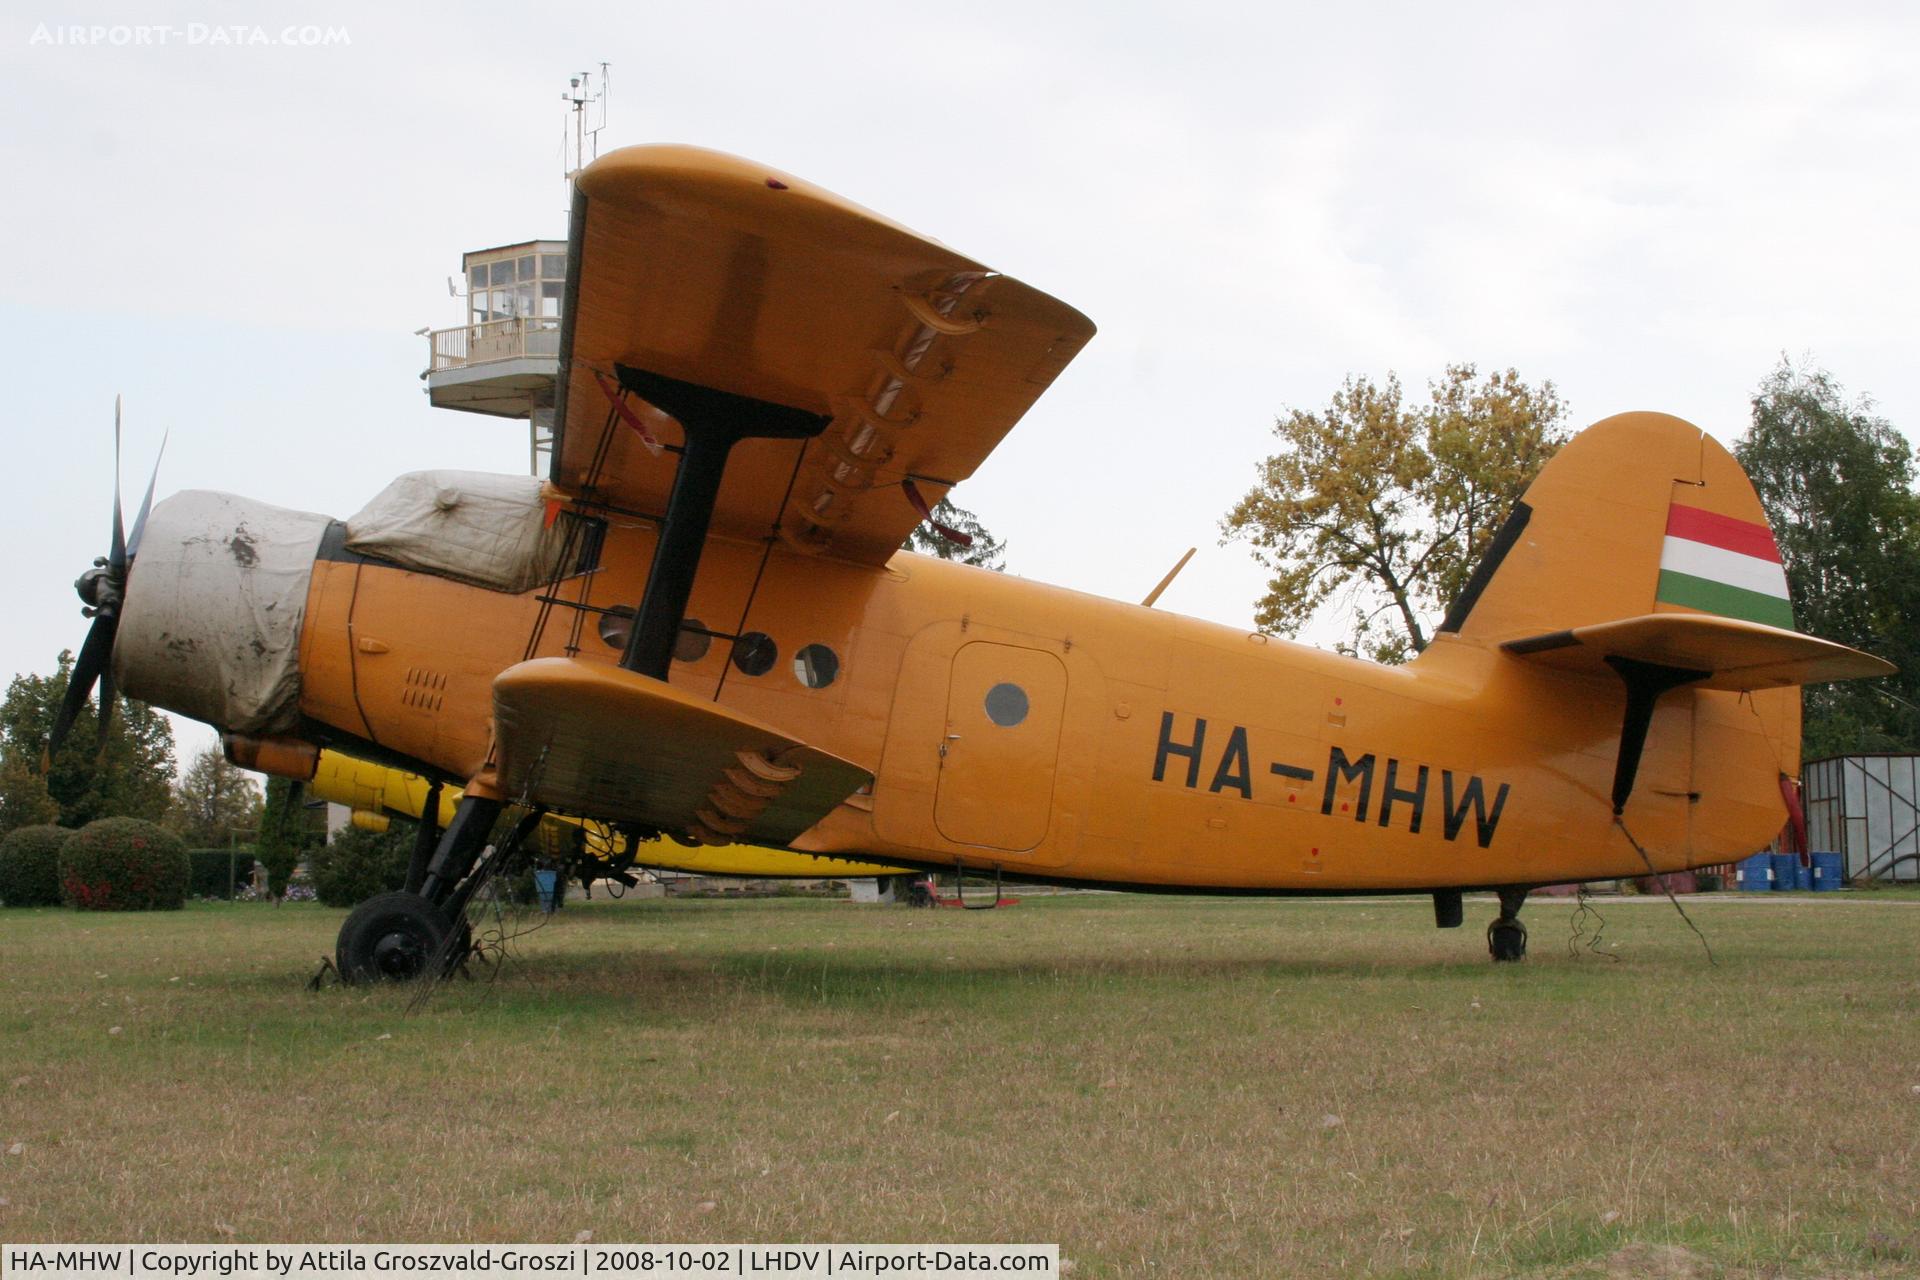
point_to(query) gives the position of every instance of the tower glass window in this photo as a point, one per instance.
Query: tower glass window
(516, 282)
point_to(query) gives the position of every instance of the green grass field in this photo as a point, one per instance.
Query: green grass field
(1163, 1086)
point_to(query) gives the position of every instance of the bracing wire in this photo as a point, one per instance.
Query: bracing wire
(1661, 881)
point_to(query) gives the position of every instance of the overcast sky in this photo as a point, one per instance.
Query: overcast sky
(1646, 204)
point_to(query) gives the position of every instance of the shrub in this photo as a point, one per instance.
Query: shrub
(123, 864)
(218, 873)
(30, 866)
(357, 864)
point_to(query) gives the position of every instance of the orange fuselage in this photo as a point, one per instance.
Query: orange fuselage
(1151, 750)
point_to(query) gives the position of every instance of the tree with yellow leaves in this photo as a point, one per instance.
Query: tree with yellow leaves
(1383, 508)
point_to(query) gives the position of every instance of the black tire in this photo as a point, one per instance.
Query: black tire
(395, 937)
(1507, 940)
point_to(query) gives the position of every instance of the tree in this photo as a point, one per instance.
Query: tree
(215, 801)
(987, 551)
(130, 776)
(354, 865)
(1384, 508)
(1837, 482)
(24, 799)
(285, 833)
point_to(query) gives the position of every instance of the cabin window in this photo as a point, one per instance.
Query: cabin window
(615, 626)
(815, 666)
(692, 643)
(1006, 704)
(755, 653)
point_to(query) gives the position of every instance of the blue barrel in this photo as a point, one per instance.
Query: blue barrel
(1829, 872)
(1786, 872)
(1755, 874)
(548, 884)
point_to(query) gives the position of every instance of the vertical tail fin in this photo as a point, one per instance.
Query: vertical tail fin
(1640, 513)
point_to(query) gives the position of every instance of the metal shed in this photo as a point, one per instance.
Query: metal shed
(1866, 808)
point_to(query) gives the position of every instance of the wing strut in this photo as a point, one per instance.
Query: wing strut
(714, 421)
(1645, 682)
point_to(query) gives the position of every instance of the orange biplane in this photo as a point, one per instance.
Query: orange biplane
(701, 624)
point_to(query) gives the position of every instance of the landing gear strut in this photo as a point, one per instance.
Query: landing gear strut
(397, 937)
(1506, 936)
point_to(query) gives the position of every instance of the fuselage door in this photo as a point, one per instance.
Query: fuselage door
(1004, 707)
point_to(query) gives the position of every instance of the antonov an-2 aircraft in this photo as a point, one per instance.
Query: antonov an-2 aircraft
(701, 624)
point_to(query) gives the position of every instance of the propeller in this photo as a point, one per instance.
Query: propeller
(102, 589)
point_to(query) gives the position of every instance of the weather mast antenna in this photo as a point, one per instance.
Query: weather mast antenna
(586, 101)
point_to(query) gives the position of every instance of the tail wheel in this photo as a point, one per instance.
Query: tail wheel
(397, 937)
(1507, 940)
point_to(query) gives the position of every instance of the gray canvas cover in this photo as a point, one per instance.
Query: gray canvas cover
(488, 530)
(215, 600)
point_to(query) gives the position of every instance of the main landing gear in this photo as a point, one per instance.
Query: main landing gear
(422, 930)
(1506, 936)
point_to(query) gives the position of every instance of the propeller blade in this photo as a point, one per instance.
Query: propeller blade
(146, 503)
(95, 654)
(117, 559)
(107, 704)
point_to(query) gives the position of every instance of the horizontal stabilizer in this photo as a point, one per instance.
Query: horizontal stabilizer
(603, 742)
(1738, 655)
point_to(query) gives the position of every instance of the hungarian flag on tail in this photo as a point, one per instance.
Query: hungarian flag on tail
(1718, 564)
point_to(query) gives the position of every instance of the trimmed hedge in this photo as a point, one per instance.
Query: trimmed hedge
(124, 864)
(218, 873)
(30, 866)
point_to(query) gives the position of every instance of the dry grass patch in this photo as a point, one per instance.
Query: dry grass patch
(1161, 1085)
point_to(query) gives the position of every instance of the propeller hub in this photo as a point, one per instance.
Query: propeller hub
(100, 589)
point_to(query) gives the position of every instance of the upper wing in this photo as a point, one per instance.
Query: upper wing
(723, 273)
(1734, 654)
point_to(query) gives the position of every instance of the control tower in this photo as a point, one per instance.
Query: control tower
(505, 360)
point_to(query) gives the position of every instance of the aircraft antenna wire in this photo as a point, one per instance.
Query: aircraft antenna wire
(1586, 916)
(1662, 882)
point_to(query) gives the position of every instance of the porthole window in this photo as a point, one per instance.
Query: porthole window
(692, 643)
(615, 626)
(1006, 705)
(755, 653)
(816, 666)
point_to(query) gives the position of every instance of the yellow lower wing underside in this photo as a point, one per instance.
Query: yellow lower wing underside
(376, 789)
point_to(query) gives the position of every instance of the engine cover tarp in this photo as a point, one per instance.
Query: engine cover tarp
(488, 530)
(215, 599)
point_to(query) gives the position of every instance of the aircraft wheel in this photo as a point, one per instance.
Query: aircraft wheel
(1507, 940)
(395, 937)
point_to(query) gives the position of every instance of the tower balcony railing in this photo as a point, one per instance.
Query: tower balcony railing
(471, 344)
